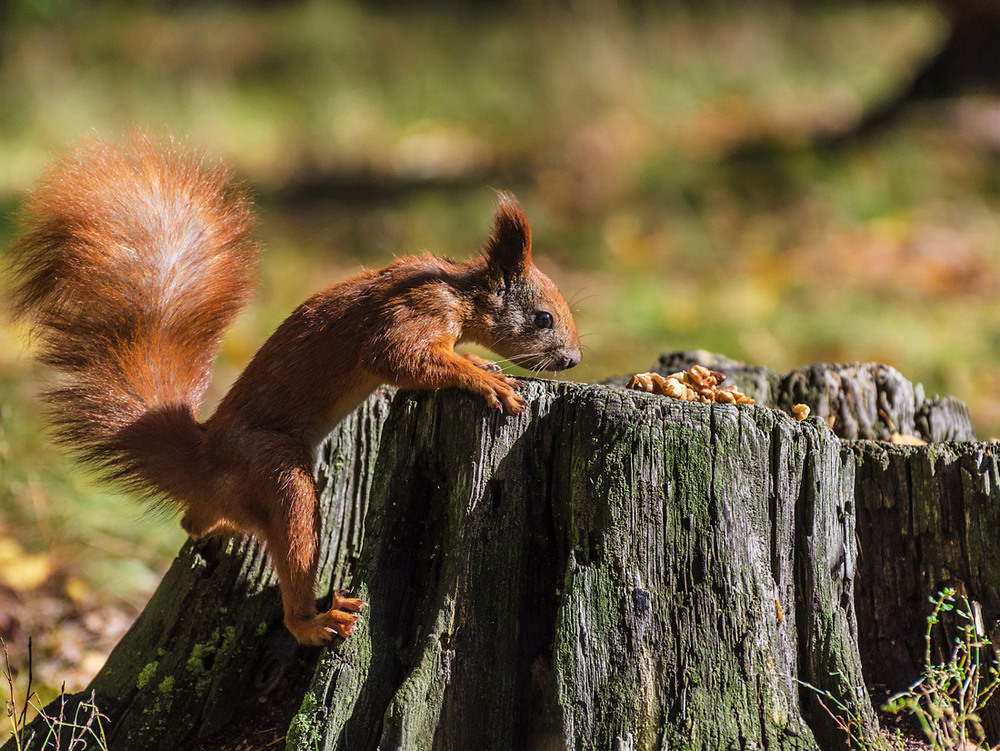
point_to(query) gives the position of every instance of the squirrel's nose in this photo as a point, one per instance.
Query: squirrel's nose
(569, 359)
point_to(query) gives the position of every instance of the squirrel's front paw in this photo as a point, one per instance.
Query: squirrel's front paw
(482, 363)
(503, 396)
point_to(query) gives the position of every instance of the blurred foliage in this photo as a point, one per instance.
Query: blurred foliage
(631, 132)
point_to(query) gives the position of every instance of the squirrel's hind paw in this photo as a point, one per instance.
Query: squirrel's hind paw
(319, 629)
(340, 602)
(341, 623)
(324, 626)
(336, 620)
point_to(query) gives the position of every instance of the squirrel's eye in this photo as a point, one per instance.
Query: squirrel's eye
(543, 320)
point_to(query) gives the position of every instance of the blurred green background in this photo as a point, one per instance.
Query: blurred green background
(729, 176)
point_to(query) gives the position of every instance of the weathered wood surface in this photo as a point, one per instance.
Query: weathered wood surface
(612, 570)
(927, 517)
(616, 571)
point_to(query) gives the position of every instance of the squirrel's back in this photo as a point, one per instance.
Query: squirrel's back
(134, 261)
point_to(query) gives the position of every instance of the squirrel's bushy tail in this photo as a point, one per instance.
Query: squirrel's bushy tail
(134, 261)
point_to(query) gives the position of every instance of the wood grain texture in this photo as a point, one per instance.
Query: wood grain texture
(929, 518)
(609, 570)
(614, 570)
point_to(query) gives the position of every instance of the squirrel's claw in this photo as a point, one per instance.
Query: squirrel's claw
(319, 629)
(340, 602)
(500, 394)
(512, 403)
(480, 362)
(342, 630)
(338, 622)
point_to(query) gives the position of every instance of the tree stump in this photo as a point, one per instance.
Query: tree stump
(611, 570)
(927, 516)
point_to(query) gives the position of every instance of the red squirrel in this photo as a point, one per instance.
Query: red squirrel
(135, 259)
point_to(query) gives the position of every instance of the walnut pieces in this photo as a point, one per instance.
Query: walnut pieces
(700, 384)
(903, 439)
(696, 384)
(800, 411)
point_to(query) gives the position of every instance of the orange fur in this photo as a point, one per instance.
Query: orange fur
(134, 261)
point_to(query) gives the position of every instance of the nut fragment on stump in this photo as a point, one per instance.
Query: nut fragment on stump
(696, 384)
(903, 439)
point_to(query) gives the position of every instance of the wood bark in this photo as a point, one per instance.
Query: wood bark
(927, 517)
(611, 570)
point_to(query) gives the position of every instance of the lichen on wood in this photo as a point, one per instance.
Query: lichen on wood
(612, 569)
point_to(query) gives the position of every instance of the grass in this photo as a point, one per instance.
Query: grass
(614, 124)
(948, 698)
(84, 729)
(945, 702)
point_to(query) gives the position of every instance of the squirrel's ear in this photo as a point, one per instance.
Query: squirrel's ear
(508, 251)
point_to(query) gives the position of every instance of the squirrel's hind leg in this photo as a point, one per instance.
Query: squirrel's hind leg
(292, 538)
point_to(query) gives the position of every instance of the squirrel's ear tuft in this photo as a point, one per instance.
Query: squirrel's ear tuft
(508, 251)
